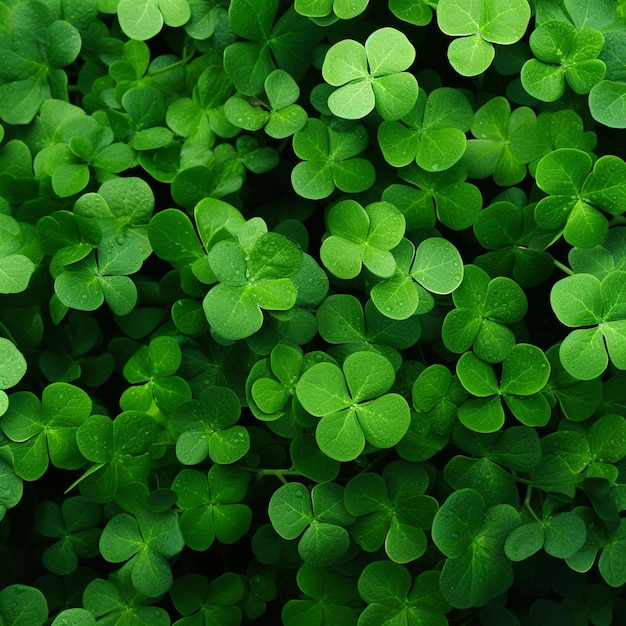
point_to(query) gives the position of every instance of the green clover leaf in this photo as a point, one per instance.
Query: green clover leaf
(216, 601)
(579, 194)
(393, 597)
(354, 405)
(391, 510)
(472, 537)
(484, 309)
(211, 505)
(319, 516)
(45, 431)
(480, 24)
(254, 273)
(455, 202)
(328, 595)
(599, 306)
(491, 152)
(208, 427)
(330, 160)
(361, 236)
(143, 542)
(432, 134)
(371, 76)
(525, 372)
(73, 524)
(562, 54)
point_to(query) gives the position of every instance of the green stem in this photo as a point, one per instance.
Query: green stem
(563, 268)
(527, 504)
(186, 58)
(279, 473)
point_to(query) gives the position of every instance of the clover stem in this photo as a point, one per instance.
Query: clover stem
(279, 473)
(527, 504)
(563, 268)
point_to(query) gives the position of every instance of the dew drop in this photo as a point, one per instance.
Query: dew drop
(455, 536)
(298, 494)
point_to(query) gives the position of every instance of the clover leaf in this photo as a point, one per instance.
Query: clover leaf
(432, 133)
(560, 535)
(319, 517)
(325, 12)
(328, 598)
(143, 542)
(436, 395)
(578, 399)
(600, 306)
(211, 505)
(371, 76)
(354, 405)
(144, 19)
(391, 510)
(351, 327)
(579, 194)
(254, 273)
(36, 46)
(392, 597)
(455, 202)
(23, 605)
(19, 251)
(117, 601)
(214, 602)
(418, 12)
(606, 103)
(525, 372)
(472, 537)
(73, 524)
(330, 160)
(207, 427)
(562, 53)
(480, 24)
(118, 451)
(505, 230)
(12, 369)
(484, 309)
(43, 431)
(362, 236)
(282, 118)
(492, 152)
(13, 488)
(286, 44)
(155, 366)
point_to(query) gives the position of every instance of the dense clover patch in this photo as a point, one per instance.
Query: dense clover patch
(312, 312)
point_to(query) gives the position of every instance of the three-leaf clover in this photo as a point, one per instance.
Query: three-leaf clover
(371, 76)
(432, 134)
(329, 596)
(254, 273)
(484, 309)
(211, 505)
(74, 526)
(579, 194)
(562, 53)
(394, 598)
(479, 24)
(362, 236)
(391, 510)
(43, 431)
(118, 450)
(215, 602)
(280, 118)
(525, 372)
(330, 160)
(319, 516)
(434, 268)
(208, 427)
(354, 405)
(472, 537)
(144, 542)
(600, 306)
